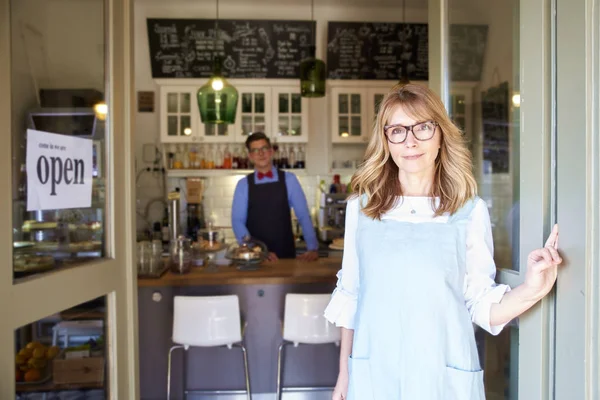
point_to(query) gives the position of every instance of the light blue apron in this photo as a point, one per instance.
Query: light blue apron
(413, 337)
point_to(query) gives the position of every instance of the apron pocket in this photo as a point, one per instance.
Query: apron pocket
(361, 387)
(464, 385)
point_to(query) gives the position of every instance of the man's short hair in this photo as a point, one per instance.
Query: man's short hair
(255, 137)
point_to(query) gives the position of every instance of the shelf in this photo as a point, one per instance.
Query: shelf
(200, 173)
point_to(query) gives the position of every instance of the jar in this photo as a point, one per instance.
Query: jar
(181, 255)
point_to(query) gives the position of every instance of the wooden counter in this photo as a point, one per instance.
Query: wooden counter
(279, 272)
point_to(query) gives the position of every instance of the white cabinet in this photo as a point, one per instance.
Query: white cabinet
(349, 115)
(290, 118)
(178, 115)
(180, 118)
(273, 108)
(278, 111)
(253, 111)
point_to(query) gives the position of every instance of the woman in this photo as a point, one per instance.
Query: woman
(418, 266)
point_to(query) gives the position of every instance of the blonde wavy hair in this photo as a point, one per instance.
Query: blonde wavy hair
(377, 176)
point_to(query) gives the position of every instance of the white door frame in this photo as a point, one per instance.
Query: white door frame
(115, 277)
(578, 159)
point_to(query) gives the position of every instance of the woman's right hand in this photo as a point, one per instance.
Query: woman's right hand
(340, 392)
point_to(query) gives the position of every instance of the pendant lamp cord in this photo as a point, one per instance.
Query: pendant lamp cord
(217, 26)
(312, 22)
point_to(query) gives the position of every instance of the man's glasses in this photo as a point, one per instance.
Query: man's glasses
(422, 131)
(260, 150)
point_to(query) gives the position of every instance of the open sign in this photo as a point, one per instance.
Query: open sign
(59, 171)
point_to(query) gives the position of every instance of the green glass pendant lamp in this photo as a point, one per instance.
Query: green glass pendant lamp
(313, 72)
(217, 99)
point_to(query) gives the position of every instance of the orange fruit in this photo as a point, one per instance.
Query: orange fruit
(27, 353)
(33, 345)
(39, 352)
(52, 352)
(32, 375)
(20, 359)
(18, 375)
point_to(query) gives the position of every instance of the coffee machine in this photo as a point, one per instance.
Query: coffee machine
(332, 216)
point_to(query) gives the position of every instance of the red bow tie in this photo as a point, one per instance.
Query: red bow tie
(266, 175)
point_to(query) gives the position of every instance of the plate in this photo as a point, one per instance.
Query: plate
(332, 247)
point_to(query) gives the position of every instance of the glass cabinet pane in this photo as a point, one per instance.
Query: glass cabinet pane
(343, 104)
(185, 103)
(259, 124)
(284, 106)
(216, 129)
(283, 126)
(355, 103)
(246, 102)
(355, 128)
(59, 155)
(296, 126)
(343, 126)
(246, 125)
(296, 103)
(172, 125)
(259, 103)
(186, 125)
(172, 102)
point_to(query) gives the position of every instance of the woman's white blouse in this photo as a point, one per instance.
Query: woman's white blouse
(480, 289)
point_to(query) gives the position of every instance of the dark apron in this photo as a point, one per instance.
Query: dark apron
(269, 218)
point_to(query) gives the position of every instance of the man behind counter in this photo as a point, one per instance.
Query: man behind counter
(262, 201)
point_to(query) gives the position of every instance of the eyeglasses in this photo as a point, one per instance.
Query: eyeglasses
(260, 150)
(422, 131)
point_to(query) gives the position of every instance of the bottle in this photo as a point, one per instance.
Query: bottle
(202, 158)
(227, 159)
(276, 156)
(165, 229)
(292, 158)
(336, 186)
(235, 158)
(283, 158)
(300, 158)
(178, 163)
(219, 159)
(193, 158)
(185, 157)
(210, 158)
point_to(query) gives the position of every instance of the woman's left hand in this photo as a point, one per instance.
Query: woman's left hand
(542, 268)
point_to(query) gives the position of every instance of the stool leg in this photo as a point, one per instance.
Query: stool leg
(279, 369)
(248, 393)
(169, 371)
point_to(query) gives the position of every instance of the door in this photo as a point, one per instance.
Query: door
(578, 207)
(502, 50)
(82, 246)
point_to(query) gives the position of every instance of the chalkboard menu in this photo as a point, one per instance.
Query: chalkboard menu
(385, 51)
(184, 48)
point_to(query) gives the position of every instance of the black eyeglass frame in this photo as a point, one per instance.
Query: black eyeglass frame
(410, 128)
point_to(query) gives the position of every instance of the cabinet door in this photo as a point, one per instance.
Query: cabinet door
(178, 115)
(349, 119)
(289, 115)
(374, 98)
(253, 112)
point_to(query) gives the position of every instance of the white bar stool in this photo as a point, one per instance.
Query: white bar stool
(207, 321)
(303, 323)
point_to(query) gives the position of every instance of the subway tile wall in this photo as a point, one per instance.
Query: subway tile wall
(218, 196)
